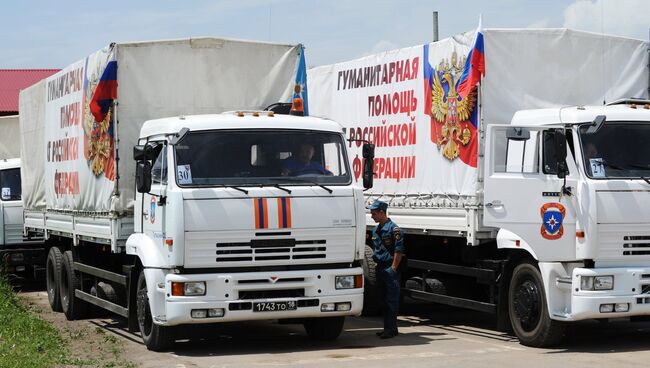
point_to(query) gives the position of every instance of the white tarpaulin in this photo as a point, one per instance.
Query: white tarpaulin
(32, 148)
(405, 101)
(88, 165)
(9, 137)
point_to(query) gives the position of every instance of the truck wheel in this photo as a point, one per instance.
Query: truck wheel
(52, 273)
(325, 328)
(371, 304)
(528, 310)
(155, 337)
(69, 281)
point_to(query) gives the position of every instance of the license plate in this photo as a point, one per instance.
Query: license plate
(274, 306)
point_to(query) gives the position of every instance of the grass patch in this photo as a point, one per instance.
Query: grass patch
(25, 339)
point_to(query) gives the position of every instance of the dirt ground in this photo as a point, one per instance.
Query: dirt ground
(93, 342)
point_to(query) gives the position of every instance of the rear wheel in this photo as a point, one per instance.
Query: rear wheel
(323, 329)
(528, 310)
(52, 274)
(371, 304)
(69, 281)
(155, 337)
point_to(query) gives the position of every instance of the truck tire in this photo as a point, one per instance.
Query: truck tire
(371, 304)
(52, 274)
(69, 281)
(325, 328)
(528, 311)
(155, 337)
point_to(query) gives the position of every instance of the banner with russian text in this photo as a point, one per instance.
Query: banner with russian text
(405, 102)
(79, 151)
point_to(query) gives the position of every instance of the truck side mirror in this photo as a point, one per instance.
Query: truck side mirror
(146, 152)
(368, 153)
(518, 134)
(143, 176)
(560, 153)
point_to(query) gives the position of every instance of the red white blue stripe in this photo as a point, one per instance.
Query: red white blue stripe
(105, 92)
(474, 65)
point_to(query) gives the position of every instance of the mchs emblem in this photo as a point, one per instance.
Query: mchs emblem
(552, 216)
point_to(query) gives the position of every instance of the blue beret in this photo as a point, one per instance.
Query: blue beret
(378, 205)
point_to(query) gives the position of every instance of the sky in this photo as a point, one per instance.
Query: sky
(53, 34)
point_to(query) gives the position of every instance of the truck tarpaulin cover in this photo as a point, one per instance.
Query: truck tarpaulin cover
(9, 137)
(84, 142)
(406, 101)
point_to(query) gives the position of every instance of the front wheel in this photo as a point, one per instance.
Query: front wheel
(155, 337)
(371, 303)
(324, 328)
(528, 310)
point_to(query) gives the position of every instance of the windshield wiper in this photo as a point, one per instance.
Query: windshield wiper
(634, 166)
(298, 180)
(276, 186)
(234, 187)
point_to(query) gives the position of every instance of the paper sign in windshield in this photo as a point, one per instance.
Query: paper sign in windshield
(6, 193)
(184, 173)
(597, 167)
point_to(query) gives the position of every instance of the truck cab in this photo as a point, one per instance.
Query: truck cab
(569, 188)
(246, 216)
(18, 255)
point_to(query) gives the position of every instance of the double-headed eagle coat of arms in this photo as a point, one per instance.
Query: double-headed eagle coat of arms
(450, 113)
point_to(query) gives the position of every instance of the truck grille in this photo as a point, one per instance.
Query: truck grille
(270, 250)
(270, 294)
(635, 245)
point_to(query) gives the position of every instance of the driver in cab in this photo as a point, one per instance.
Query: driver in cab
(301, 163)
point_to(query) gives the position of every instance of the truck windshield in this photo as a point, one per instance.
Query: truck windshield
(617, 150)
(260, 157)
(10, 185)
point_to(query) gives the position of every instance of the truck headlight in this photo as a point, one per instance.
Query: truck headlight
(194, 288)
(596, 282)
(348, 282)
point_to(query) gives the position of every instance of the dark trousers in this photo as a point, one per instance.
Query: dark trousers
(389, 288)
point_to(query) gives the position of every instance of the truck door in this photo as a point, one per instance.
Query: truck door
(153, 208)
(522, 194)
(11, 207)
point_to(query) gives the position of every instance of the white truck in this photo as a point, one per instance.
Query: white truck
(19, 255)
(203, 224)
(500, 216)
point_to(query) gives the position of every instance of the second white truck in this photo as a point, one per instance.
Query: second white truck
(529, 197)
(167, 217)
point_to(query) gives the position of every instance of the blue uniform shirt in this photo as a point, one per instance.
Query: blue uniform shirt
(295, 167)
(387, 240)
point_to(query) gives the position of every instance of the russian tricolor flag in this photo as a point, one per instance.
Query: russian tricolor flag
(300, 88)
(105, 92)
(474, 65)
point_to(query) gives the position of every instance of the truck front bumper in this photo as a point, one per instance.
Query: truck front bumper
(629, 295)
(235, 294)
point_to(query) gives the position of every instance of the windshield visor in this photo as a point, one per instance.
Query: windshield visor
(256, 157)
(616, 150)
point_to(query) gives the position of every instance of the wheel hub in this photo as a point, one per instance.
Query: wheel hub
(527, 304)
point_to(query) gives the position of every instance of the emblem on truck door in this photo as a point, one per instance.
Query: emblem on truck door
(552, 217)
(152, 210)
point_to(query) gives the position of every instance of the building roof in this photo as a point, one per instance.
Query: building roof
(13, 80)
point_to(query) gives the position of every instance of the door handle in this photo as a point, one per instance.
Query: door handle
(145, 215)
(494, 205)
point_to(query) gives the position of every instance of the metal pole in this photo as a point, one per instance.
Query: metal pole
(435, 26)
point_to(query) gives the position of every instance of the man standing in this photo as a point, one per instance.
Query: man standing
(388, 248)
